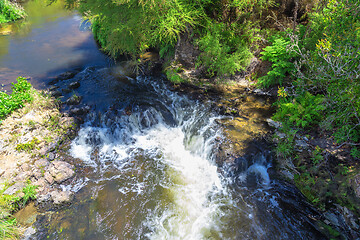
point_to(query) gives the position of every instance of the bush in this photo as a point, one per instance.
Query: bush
(278, 53)
(21, 93)
(303, 111)
(223, 52)
(10, 11)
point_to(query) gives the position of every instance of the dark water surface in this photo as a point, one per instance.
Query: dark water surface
(148, 154)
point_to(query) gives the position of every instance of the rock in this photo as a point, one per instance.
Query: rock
(41, 163)
(280, 135)
(273, 123)
(79, 111)
(17, 187)
(41, 183)
(51, 156)
(53, 88)
(49, 178)
(25, 167)
(74, 85)
(53, 81)
(332, 218)
(55, 93)
(60, 197)
(301, 144)
(355, 184)
(44, 197)
(28, 233)
(66, 75)
(261, 92)
(349, 217)
(73, 100)
(61, 171)
(66, 90)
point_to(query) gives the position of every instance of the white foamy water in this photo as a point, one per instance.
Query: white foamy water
(163, 156)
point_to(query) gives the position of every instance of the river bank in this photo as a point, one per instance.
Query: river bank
(33, 156)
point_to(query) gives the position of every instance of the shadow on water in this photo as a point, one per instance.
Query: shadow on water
(48, 42)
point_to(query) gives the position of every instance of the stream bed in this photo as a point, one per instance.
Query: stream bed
(148, 154)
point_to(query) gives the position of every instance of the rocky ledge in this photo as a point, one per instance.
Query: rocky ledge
(31, 143)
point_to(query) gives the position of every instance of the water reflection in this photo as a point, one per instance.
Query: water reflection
(49, 41)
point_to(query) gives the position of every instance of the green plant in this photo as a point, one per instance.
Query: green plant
(173, 76)
(10, 11)
(278, 53)
(303, 110)
(316, 155)
(223, 51)
(21, 93)
(29, 194)
(9, 229)
(29, 146)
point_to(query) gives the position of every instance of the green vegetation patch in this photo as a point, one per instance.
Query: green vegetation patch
(9, 229)
(21, 93)
(10, 11)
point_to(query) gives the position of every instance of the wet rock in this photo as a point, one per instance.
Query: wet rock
(17, 187)
(28, 233)
(66, 75)
(66, 90)
(55, 93)
(53, 81)
(27, 215)
(60, 197)
(74, 85)
(73, 100)
(61, 171)
(79, 111)
(273, 123)
(53, 88)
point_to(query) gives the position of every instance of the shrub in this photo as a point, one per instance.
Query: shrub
(278, 53)
(10, 11)
(21, 93)
(303, 110)
(223, 52)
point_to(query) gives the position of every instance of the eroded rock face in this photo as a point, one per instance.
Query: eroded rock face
(61, 171)
(355, 183)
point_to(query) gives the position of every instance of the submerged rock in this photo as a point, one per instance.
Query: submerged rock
(73, 100)
(66, 75)
(74, 85)
(60, 197)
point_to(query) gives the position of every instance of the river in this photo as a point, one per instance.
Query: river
(150, 153)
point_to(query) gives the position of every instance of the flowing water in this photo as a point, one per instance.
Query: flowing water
(148, 161)
(151, 173)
